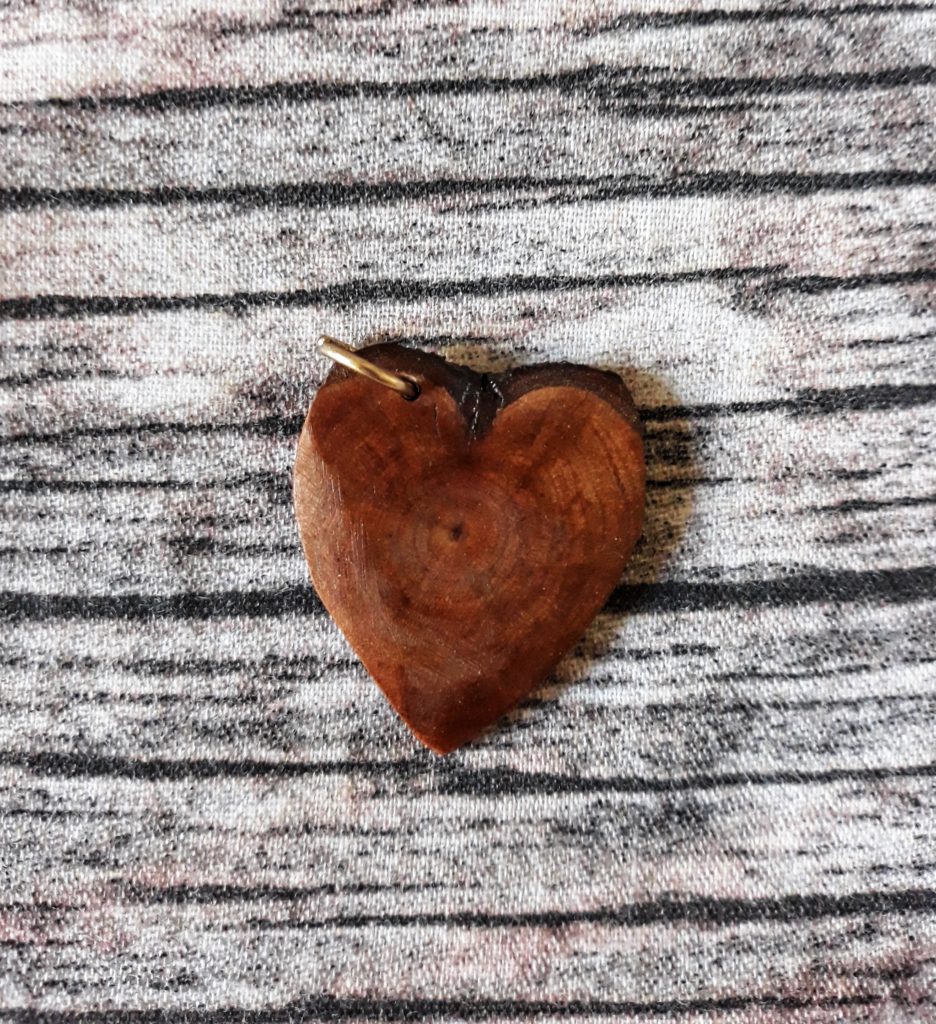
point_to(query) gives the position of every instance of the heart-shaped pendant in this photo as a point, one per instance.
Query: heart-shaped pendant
(464, 539)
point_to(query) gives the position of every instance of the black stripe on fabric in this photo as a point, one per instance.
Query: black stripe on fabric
(895, 586)
(258, 480)
(352, 293)
(709, 910)
(721, 15)
(299, 19)
(335, 1008)
(39, 906)
(812, 401)
(266, 426)
(812, 283)
(882, 586)
(899, 339)
(90, 765)
(806, 402)
(270, 665)
(29, 946)
(49, 376)
(324, 194)
(498, 782)
(223, 893)
(852, 505)
(447, 780)
(602, 82)
(297, 600)
(706, 910)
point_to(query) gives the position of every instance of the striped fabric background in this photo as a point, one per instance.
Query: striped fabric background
(723, 806)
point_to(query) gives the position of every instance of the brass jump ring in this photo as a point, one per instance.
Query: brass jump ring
(341, 353)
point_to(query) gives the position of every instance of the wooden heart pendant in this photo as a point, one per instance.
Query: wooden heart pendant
(464, 539)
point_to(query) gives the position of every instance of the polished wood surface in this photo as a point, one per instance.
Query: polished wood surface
(464, 540)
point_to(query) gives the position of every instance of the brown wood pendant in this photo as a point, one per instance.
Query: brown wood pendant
(463, 540)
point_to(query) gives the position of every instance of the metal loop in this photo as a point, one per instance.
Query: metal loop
(341, 353)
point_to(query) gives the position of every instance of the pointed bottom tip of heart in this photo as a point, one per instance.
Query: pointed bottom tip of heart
(439, 747)
(441, 743)
(442, 733)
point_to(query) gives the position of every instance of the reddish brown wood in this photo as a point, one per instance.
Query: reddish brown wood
(464, 540)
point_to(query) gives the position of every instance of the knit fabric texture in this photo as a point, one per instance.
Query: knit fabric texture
(722, 806)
